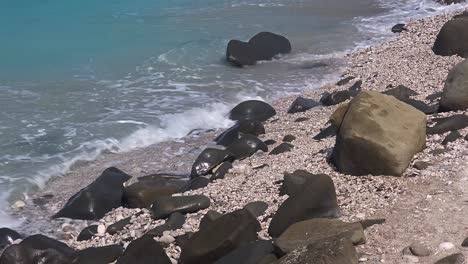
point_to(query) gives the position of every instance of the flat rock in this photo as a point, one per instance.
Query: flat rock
(250, 253)
(98, 255)
(246, 146)
(446, 124)
(282, 148)
(302, 104)
(87, 233)
(451, 137)
(256, 208)
(165, 206)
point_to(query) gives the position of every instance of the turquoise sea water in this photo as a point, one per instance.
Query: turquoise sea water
(79, 78)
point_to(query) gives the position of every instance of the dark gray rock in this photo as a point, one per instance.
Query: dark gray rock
(398, 28)
(344, 81)
(198, 183)
(294, 182)
(447, 124)
(208, 219)
(165, 206)
(225, 234)
(421, 165)
(289, 138)
(257, 208)
(452, 38)
(221, 171)
(455, 94)
(419, 250)
(98, 255)
(370, 222)
(400, 92)
(316, 199)
(182, 239)
(174, 222)
(355, 88)
(250, 253)
(240, 53)
(87, 233)
(118, 226)
(281, 148)
(302, 104)
(329, 131)
(143, 193)
(458, 258)
(434, 96)
(208, 160)
(301, 119)
(246, 146)
(253, 110)
(423, 107)
(251, 127)
(335, 98)
(438, 151)
(269, 142)
(7, 236)
(98, 198)
(268, 45)
(144, 250)
(451, 137)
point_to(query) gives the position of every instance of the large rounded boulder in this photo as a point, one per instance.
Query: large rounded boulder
(252, 109)
(209, 159)
(455, 93)
(453, 38)
(378, 135)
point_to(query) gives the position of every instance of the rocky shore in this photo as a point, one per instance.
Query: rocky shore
(420, 216)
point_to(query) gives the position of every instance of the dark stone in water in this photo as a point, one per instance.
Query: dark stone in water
(224, 235)
(282, 148)
(302, 104)
(344, 81)
(198, 183)
(301, 119)
(7, 236)
(269, 142)
(165, 206)
(251, 253)
(87, 233)
(398, 28)
(143, 193)
(335, 98)
(221, 171)
(174, 222)
(252, 109)
(37, 249)
(98, 255)
(451, 137)
(400, 92)
(447, 124)
(329, 131)
(208, 160)
(118, 226)
(289, 138)
(144, 250)
(240, 53)
(208, 219)
(256, 208)
(251, 127)
(98, 198)
(246, 146)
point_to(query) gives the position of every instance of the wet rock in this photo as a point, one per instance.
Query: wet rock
(378, 135)
(118, 226)
(419, 250)
(335, 98)
(220, 171)
(251, 127)
(329, 131)
(246, 146)
(344, 81)
(87, 233)
(37, 249)
(289, 138)
(315, 230)
(316, 199)
(165, 206)
(240, 53)
(447, 124)
(302, 104)
(301, 119)
(224, 235)
(281, 148)
(421, 165)
(253, 110)
(458, 258)
(208, 219)
(198, 183)
(144, 250)
(330, 250)
(451, 137)
(174, 222)
(143, 193)
(250, 253)
(455, 94)
(98, 198)
(452, 38)
(98, 255)
(208, 160)
(398, 28)
(7, 236)
(257, 208)
(400, 92)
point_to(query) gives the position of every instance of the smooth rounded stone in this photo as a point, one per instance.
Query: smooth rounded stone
(400, 92)
(142, 194)
(166, 239)
(269, 142)
(398, 28)
(289, 138)
(250, 253)
(220, 171)
(316, 199)
(98, 198)
(465, 242)
(246, 146)
(240, 53)
(344, 81)
(37, 249)
(410, 259)
(455, 94)
(7, 236)
(142, 251)
(332, 250)
(87, 233)
(101, 229)
(419, 250)
(378, 135)
(208, 160)
(314, 230)
(224, 235)
(252, 109)
(281, 148)
(294, 182)
(257, 208)
(452, 38)
(268, 45)
(458, 258)
(447, 124)
(174, 222)
(355, 88)
(329, 131)
(301, 119)
(209, 218)
(302, 104)
(335, 98)
(198, 183)
(165, 206)
(370, 222)
(446, 246)
(421, 165)
(98, 255)
(118, 226)
(451, 137)
(251, 127)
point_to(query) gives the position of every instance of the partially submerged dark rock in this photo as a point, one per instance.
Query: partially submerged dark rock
(281, 148)
(165, 206)
(144, 250)
(246, 146)
(302, 104)
(208, 160)
(398, 28)
(447, 124)
(252, 110)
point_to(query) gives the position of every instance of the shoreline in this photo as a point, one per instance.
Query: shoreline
(373, 197)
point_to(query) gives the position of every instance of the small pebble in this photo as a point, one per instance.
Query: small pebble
(101, 229)
(446, 246)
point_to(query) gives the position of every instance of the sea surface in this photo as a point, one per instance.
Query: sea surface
(79, 78)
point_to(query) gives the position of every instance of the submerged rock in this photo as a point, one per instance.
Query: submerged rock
(7, 236)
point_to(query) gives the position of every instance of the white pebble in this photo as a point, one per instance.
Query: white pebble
(446, 246)
(410, 259)
(101, 229)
